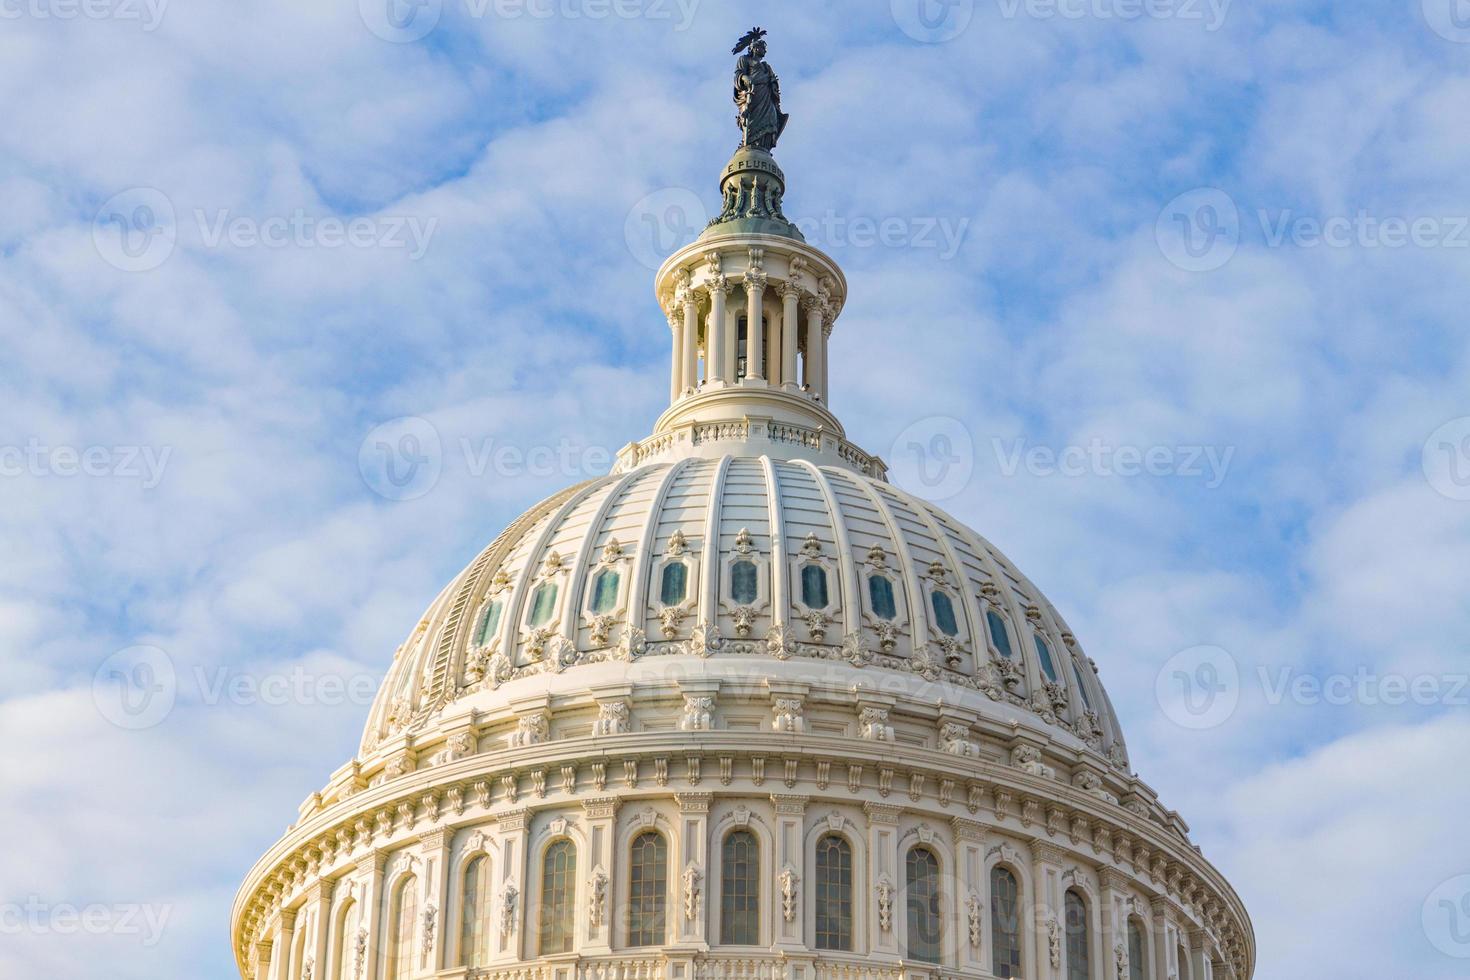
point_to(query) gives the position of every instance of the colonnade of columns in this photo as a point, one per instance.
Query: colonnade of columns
(785, 343)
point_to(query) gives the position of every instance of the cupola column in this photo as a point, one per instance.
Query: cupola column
(790, 324)
(676, 370)
(717, 360)
(755, 341)
(690, 301)
(816, 348)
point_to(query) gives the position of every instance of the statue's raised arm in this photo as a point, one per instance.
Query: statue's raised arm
(757, 93)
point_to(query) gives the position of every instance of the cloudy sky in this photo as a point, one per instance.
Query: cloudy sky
(1165, 297)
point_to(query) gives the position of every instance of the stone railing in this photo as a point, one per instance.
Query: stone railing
(757, 434)
(707, 966)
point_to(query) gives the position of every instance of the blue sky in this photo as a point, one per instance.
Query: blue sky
(1235, 229)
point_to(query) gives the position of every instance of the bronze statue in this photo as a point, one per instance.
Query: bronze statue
(757, 94)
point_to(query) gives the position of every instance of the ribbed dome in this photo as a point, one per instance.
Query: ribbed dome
(732, 557)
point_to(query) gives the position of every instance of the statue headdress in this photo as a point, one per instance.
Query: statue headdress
(751, 36)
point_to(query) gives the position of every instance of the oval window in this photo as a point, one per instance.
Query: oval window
(489, 623)
(814, 587)
(604, 591)
(998, 634)
(1044, 652)
(880, 595)
(675, 583)
(543, 604)
(944, 614)
(743, 586)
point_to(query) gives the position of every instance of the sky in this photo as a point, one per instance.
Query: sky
(1164, 297)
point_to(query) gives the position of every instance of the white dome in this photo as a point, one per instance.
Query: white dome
(961, 615)
(740, 711)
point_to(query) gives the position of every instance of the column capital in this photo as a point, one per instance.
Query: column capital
(718, 283)
(1045, 850)
(1114, 879)
(789, 288)
(790, 805)
(882, 813)
(969, 830)
(694, 802)
(433, 840)
(514, 820)
(601, 807)
(755, 279)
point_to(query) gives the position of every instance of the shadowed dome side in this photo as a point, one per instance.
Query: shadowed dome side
(741, 556)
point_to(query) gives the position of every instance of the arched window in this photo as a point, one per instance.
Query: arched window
(880, 596)
(604, 591)
(543, 604)
(474, 933)
(1005, 923)
(743, 586)
(1079, 952)
(1184, 973)
(345, 943)
(489, 623)
(1137, 951)
(944, 616)
(814, 586)
(402, 922)
(648, 888)
(1044, 652)
(833, 891)
(998, 634)
(740, 869)
(558, 891)
(675, 583)
(921, 878)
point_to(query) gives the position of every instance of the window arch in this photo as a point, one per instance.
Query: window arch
(1082, 686)
(1137, 951)
(921, 888)
(401, 928)
(880, 597)
(648, 889)
(1079, 951)
(1184, 973)
(740, 868)
(558, 893)
(343, 944)
(474, 932)
(833, 891)
(1005, 923)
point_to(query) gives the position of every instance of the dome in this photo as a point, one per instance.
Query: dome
(759, 561)
(740, 710)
